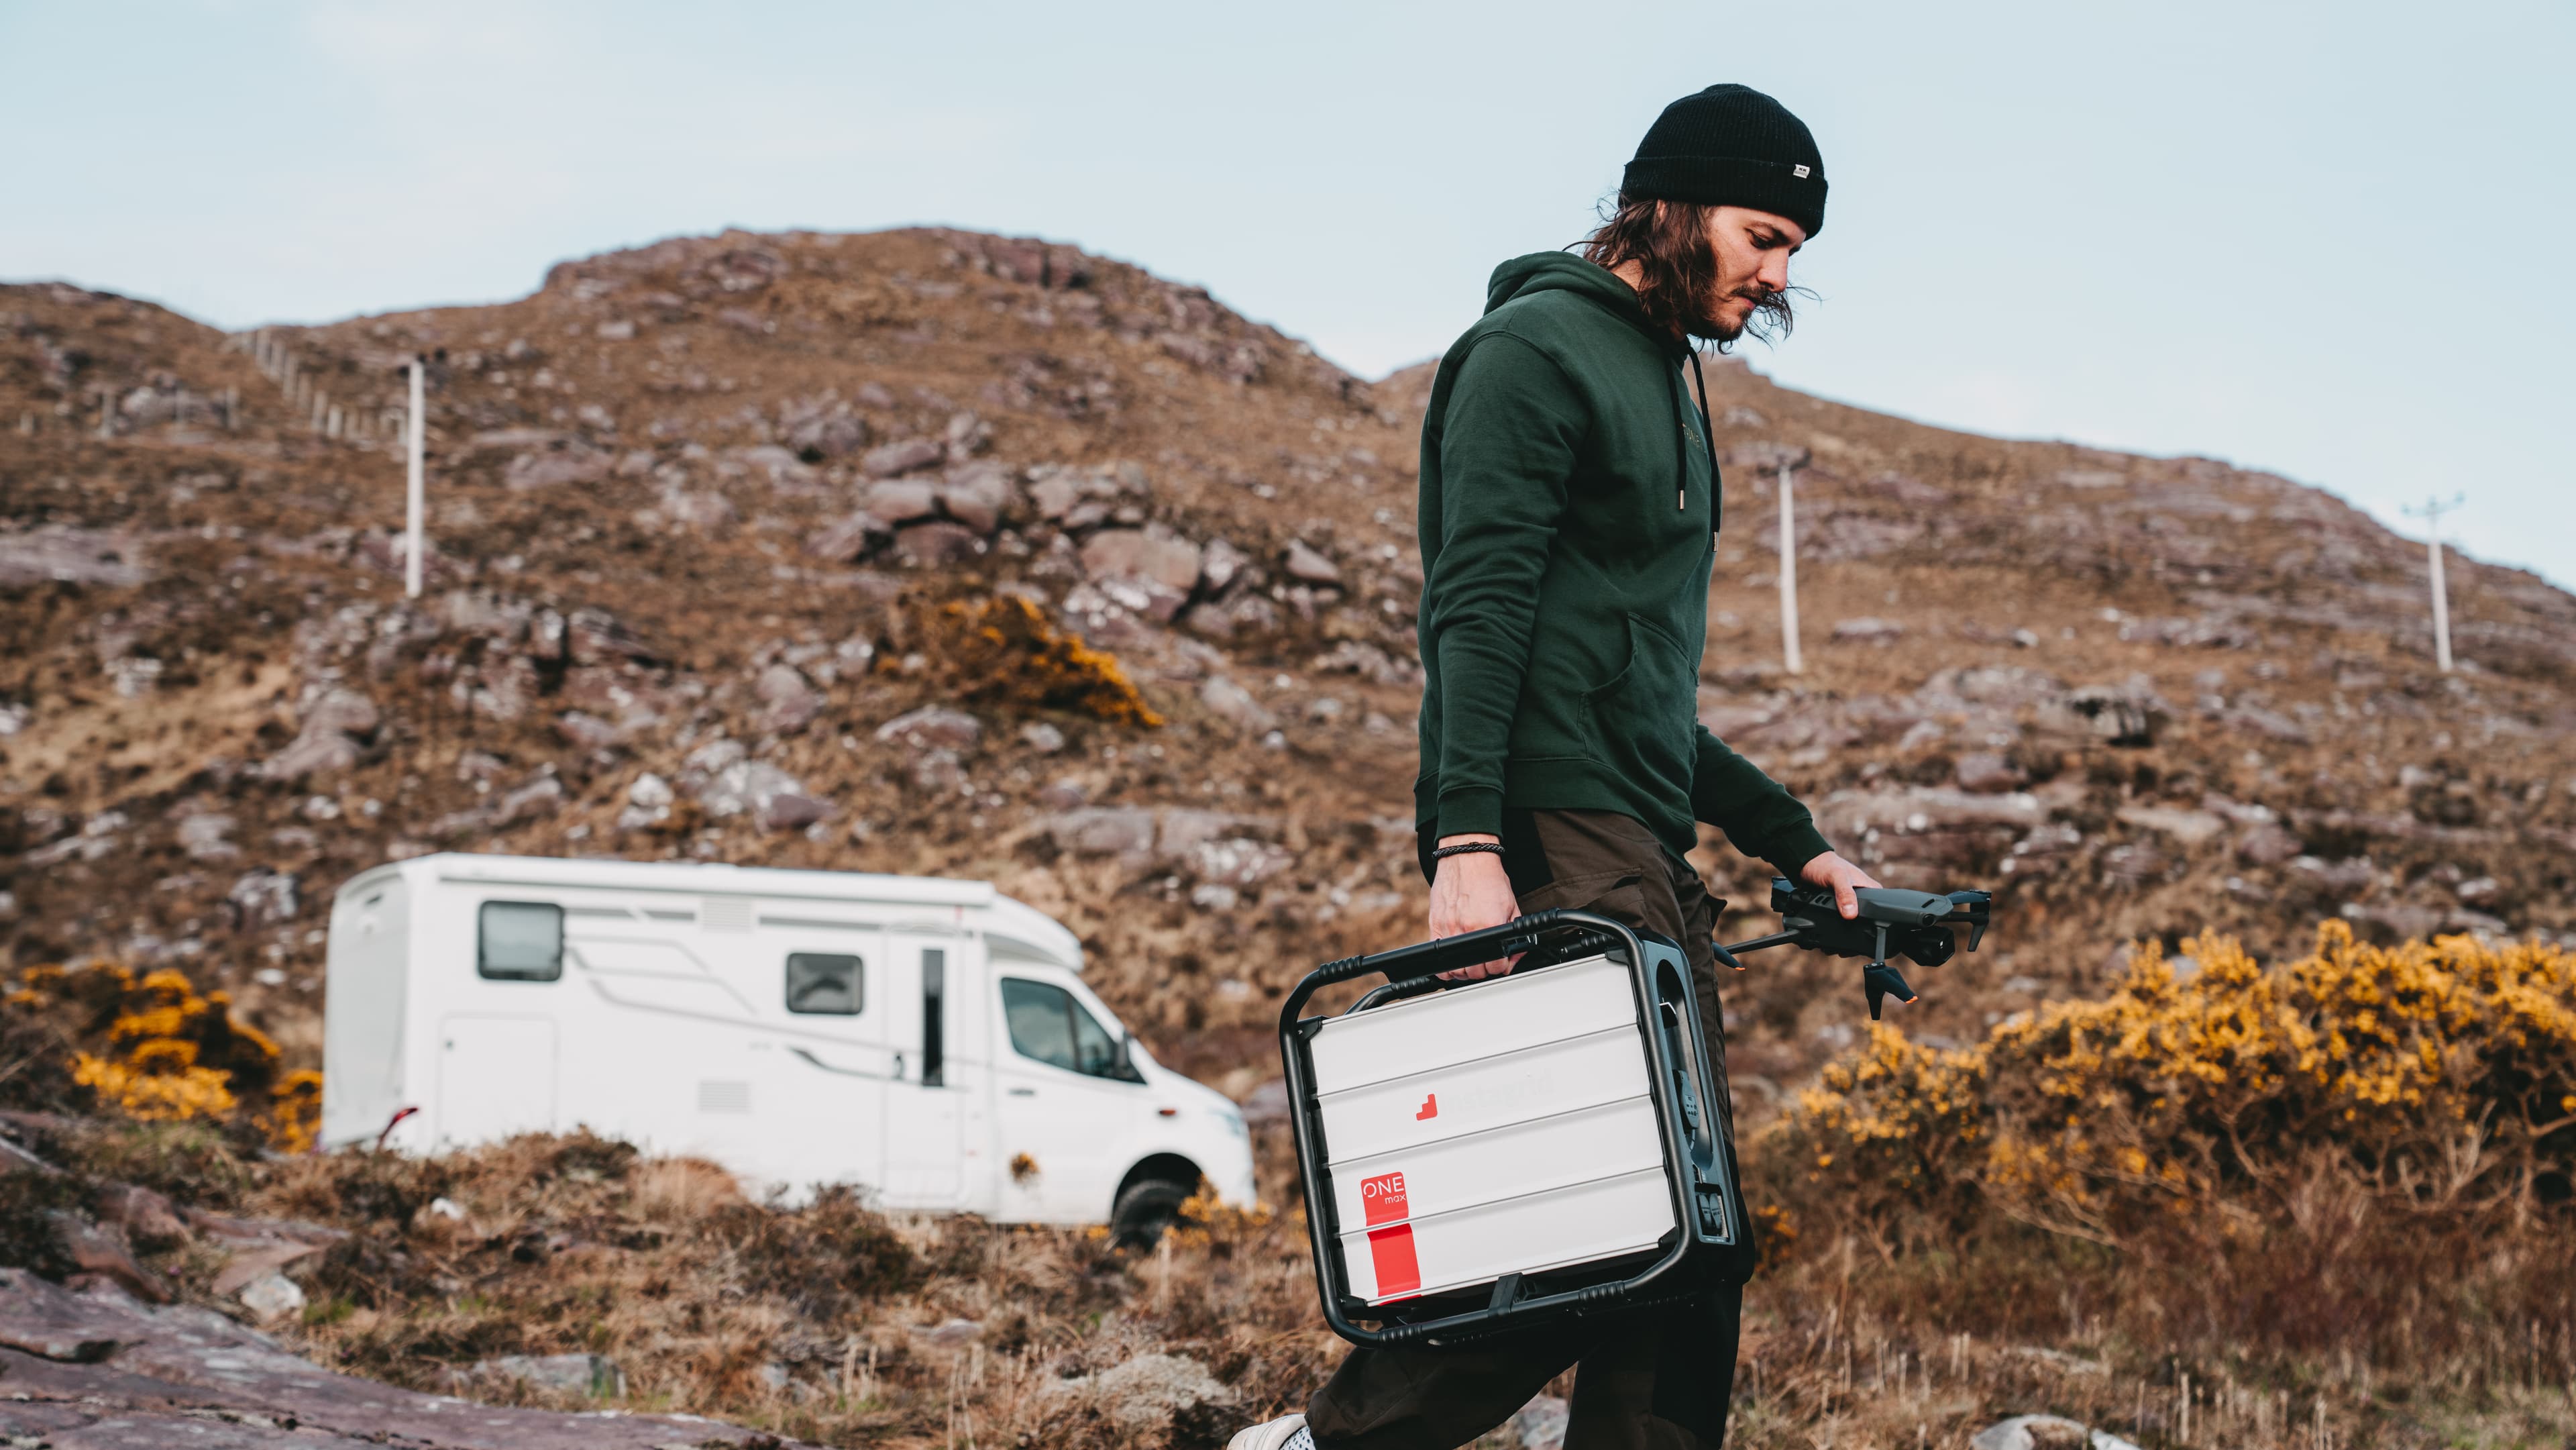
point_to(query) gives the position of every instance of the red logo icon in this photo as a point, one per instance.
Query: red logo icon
(1430, 1107)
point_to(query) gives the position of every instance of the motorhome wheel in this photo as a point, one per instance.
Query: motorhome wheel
(1144, 1211)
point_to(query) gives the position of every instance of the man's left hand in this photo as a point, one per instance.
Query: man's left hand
(1832, 870)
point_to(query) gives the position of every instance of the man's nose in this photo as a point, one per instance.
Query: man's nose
(1774, 274)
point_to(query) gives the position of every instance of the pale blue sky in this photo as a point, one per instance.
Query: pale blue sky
(2328, 240)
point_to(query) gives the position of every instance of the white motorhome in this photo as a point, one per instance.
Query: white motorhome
(928, 1039)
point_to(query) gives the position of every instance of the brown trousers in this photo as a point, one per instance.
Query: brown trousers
(1655, 1379)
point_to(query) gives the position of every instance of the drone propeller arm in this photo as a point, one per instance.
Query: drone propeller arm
(1775, 939)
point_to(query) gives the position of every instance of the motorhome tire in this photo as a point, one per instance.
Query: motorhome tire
(1144, 1210)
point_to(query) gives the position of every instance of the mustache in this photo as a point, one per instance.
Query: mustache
(1773, 316)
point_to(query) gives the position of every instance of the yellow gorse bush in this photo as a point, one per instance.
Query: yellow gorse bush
(155, 1049)
(1205, 1218)
(1006, 650)
(2436, 1077)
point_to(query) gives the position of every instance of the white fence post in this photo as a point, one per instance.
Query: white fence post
(1789, 567)
(2431, 513)
(412, 487)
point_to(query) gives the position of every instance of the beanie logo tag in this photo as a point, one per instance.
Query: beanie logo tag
(1800, 173)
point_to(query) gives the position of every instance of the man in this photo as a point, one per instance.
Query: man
(1569, 512)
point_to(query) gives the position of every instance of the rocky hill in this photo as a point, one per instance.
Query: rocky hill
(928, 551)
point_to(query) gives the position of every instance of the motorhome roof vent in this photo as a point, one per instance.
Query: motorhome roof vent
(725, 913)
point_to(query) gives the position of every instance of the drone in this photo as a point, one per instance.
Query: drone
(1912, 924)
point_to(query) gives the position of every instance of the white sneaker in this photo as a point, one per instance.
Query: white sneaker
(1288, 1432)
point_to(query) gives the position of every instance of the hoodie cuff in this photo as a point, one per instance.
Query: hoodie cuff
(1470, 810)
(1795, 847)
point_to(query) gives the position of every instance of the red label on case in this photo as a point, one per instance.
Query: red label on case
(1391, 1254)
(1382, 1198)
(1391, 1248)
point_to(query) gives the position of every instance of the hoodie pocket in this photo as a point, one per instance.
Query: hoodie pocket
(1641, 720)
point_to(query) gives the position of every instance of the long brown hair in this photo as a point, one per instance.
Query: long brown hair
(1668, 240)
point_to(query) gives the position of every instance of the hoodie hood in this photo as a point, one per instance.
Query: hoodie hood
(1565, 272)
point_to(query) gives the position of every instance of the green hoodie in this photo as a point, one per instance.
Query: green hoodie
(1569, 521)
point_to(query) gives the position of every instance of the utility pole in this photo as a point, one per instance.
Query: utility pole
(1789, 562)
(2431, 513)
(412, 487)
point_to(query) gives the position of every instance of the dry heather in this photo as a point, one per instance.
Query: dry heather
(698, 510)
(1004, 562)
(2324, 1202)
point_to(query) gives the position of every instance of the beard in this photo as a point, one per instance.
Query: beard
(1768, 317)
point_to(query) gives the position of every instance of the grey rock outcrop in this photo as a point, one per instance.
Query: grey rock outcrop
(937, 542)
(2029, 1432)
(895, 459)
(900, 500)
(1231, 702)
(262, 898)
(595, 1375)
(1308, 564)
(71, 556)
(574, 464)
(328, 738)
(98, 1368)
(788, 703)
(1149, 570)
(1153, 1396)
(933, 727)
(850, 538)
(975, 495)
(727, 784)
(1929, 825)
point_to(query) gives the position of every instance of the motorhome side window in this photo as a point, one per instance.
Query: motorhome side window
(824, 983)
(1048, 1025)
(519, 941)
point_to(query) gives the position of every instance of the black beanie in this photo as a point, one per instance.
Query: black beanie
(1732, 146)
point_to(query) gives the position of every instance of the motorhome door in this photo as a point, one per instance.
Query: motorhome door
(1068, 1104)
(496, 1077)
(824, 1124)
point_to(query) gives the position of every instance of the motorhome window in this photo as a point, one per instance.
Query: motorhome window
(934, 1017)
(1094, 1050)
(824, 983)
(1047, 1024)
(1037, 1017)
(519, 941)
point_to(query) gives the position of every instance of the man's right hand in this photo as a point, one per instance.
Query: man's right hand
(1470, 892)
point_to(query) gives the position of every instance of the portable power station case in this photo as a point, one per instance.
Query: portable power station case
(1477, 1156)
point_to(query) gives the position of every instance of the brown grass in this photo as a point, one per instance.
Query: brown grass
(1912, 1293)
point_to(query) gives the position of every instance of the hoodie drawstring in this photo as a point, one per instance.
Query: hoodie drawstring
(1681, 491)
